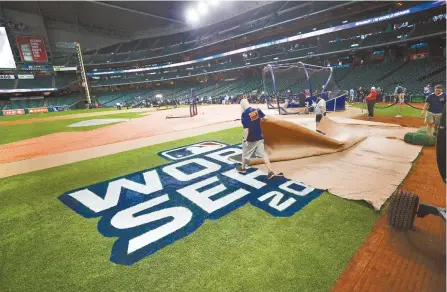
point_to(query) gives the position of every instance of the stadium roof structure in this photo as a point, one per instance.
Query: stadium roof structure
(125, 17)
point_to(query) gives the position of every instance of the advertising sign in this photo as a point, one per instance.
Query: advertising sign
(63, 68)
(32, 49)
(6, 56)
(25, 76)
(13, 112)
(66, 45)
(36, 67)
(7, 77)
(418, 56)
(36, 110)
(21, 90)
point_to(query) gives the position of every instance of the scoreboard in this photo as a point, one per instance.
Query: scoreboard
(6, 56)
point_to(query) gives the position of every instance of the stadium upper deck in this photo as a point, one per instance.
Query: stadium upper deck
(267, 22)
(278, 22)
(403, 30)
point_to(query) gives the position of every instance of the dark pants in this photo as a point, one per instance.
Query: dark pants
(371, 108)
(319, 117)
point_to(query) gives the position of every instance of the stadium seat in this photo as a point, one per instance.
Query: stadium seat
(63, 80)
(6, 84)
(38, 82)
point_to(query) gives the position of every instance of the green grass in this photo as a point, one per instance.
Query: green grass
(13, 133)
(406, 111)
(54, 114)
(45, 246)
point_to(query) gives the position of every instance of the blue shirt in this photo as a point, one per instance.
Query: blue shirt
(436, 103)
(251, 120)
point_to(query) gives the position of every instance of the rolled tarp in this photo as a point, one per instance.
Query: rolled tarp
(285, 140)
(420, 138)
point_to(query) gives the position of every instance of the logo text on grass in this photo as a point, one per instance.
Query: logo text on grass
(151, 209)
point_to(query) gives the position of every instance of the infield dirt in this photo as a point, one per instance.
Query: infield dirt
(415, 260)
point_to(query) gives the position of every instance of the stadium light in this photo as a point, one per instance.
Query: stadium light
(202, 8)
(214, 3)
(191, 15)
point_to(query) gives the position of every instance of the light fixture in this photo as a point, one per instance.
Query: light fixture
(191, 15)
(214, 3)
(202, 8)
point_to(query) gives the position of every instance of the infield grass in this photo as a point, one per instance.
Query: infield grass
(55, 114)
(45, 246)
(13, 133)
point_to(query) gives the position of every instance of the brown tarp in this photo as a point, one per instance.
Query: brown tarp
(365, 161)
(287, 140)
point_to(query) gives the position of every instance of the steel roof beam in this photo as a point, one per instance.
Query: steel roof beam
(136, 11)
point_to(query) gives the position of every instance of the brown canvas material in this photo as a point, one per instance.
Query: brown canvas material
(353, 161)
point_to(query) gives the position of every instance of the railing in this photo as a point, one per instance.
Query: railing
(337, 103)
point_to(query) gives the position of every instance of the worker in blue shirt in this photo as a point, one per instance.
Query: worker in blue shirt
(253, 144)
(434, 105)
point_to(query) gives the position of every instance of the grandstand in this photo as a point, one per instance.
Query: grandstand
(351, 52)
(121, 133)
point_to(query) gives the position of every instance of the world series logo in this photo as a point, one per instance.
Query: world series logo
(153, 208)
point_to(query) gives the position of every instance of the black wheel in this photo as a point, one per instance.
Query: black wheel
(440, 146)
(403, 209)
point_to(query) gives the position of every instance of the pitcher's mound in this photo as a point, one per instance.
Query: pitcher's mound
(97, 122)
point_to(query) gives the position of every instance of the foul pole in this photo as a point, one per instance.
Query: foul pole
(83, 76)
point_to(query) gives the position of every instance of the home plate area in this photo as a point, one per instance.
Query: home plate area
(199, 187)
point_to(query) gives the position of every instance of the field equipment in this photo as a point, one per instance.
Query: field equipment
(405, 206)
(289, 86)
(192, 101)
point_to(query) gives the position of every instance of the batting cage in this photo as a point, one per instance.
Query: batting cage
(160, 102)
(292, 88)
(192, 103)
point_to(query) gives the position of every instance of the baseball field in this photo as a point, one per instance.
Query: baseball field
(53, 240)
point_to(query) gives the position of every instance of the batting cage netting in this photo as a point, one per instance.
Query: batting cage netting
(293, 88)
